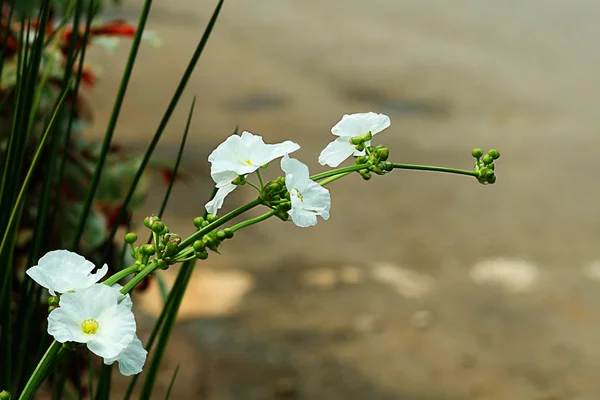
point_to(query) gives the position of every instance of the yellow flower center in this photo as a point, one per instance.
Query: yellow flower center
(89, 326)
(298, 194)
(247, 162)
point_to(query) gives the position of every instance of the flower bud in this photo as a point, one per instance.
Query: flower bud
(365, 173)
(388, 166)
(198, 222)
(170, 249)
(147, 250)
(229, 233)
(161, 264)
(384, 153)
(202, 255)
(360, 146)
(477, 153)
(53, 300)
(495, 154)
(282, 215)
(376, 169)
(211, 218)
(52, 308)
(149, 220)
(240, 180)
(487, 159)
(361, 160)
(492, 179)
(4, 395)
(172, 238)
(157, 227)
(130, 238)
(198, 246)
(204, 224)
(489, 173)
(221, 234)
(366, 137)
(210, 242)
(356, 140)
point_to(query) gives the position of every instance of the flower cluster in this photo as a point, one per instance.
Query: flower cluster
(300, 196)
(88, 312)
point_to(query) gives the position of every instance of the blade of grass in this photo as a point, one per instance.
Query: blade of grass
(163, 123)
(152, 371)
(172, 382)
(112, 123)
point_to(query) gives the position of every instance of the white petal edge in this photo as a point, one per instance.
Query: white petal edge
(336, 152)
(132, 359)
(217, 202)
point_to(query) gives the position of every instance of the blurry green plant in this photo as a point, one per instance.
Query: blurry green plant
(58, 191)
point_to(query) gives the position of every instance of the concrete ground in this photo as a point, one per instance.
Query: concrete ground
(420, 286)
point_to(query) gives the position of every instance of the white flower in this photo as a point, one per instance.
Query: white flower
(94, 316)
(241, 155)
(63, 271)
(133, 357)
(351, 125)
(309, 199)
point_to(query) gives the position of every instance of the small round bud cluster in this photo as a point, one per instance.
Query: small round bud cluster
(484, 165)
(5, 395)
(376, 160)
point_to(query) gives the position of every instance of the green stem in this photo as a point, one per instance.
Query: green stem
(41, 371)
(333, 172)
(225, 218)
(139, 277)
(436, 169)
(252, 184)
(262, 185)
(253, 221)
(334, 178)
(121, 274)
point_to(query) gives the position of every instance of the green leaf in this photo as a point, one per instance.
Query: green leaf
(172, 382)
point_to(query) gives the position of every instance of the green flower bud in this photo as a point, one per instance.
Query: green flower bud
(202, 255)
(361, 160)
(477, 153)
(240, 180)
(198, 222)
(376, 169)
(492, 179)
(221, 234)
(198, 246)
(204, 224)
(356, 140)
(52, 308)
(148, 250)
(360, 146)
(210, 242)
(388, 166)
(495, 154)
(366, 137)
(4, 395)
(162, 264)
(229, 233)
(172, 238)
(489, 173)
(211, 218)
(384, 153)
(487, 159)
(148, 221)
(130, 238)
(282, 215)
(157, 227)
(365, 173)
(170, 250)
(165, 231)
(53, 300)
(492, 166)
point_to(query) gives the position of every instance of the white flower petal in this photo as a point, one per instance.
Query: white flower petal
(303, 218)
(269, 152)
(63, 328)
(123, 299)
(336, 152)
(132, 359)
(217, 202)
(359, 124)
(116, 329)
(317, 199)
(62, 271)
(296, 173)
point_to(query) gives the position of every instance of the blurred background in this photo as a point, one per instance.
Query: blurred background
(420, 286)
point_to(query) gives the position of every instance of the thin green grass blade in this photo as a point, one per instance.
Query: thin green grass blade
(112, 123)
(168, 396)
(152, 371)
(163, 123)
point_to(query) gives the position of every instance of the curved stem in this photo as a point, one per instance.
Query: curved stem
(253, 221)
(41, 371)
(333, 172)
(213, 225)
(436, 169)
(252, 184)
(260, 178)
(121, 274)
(334, 178)
(139, 277)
